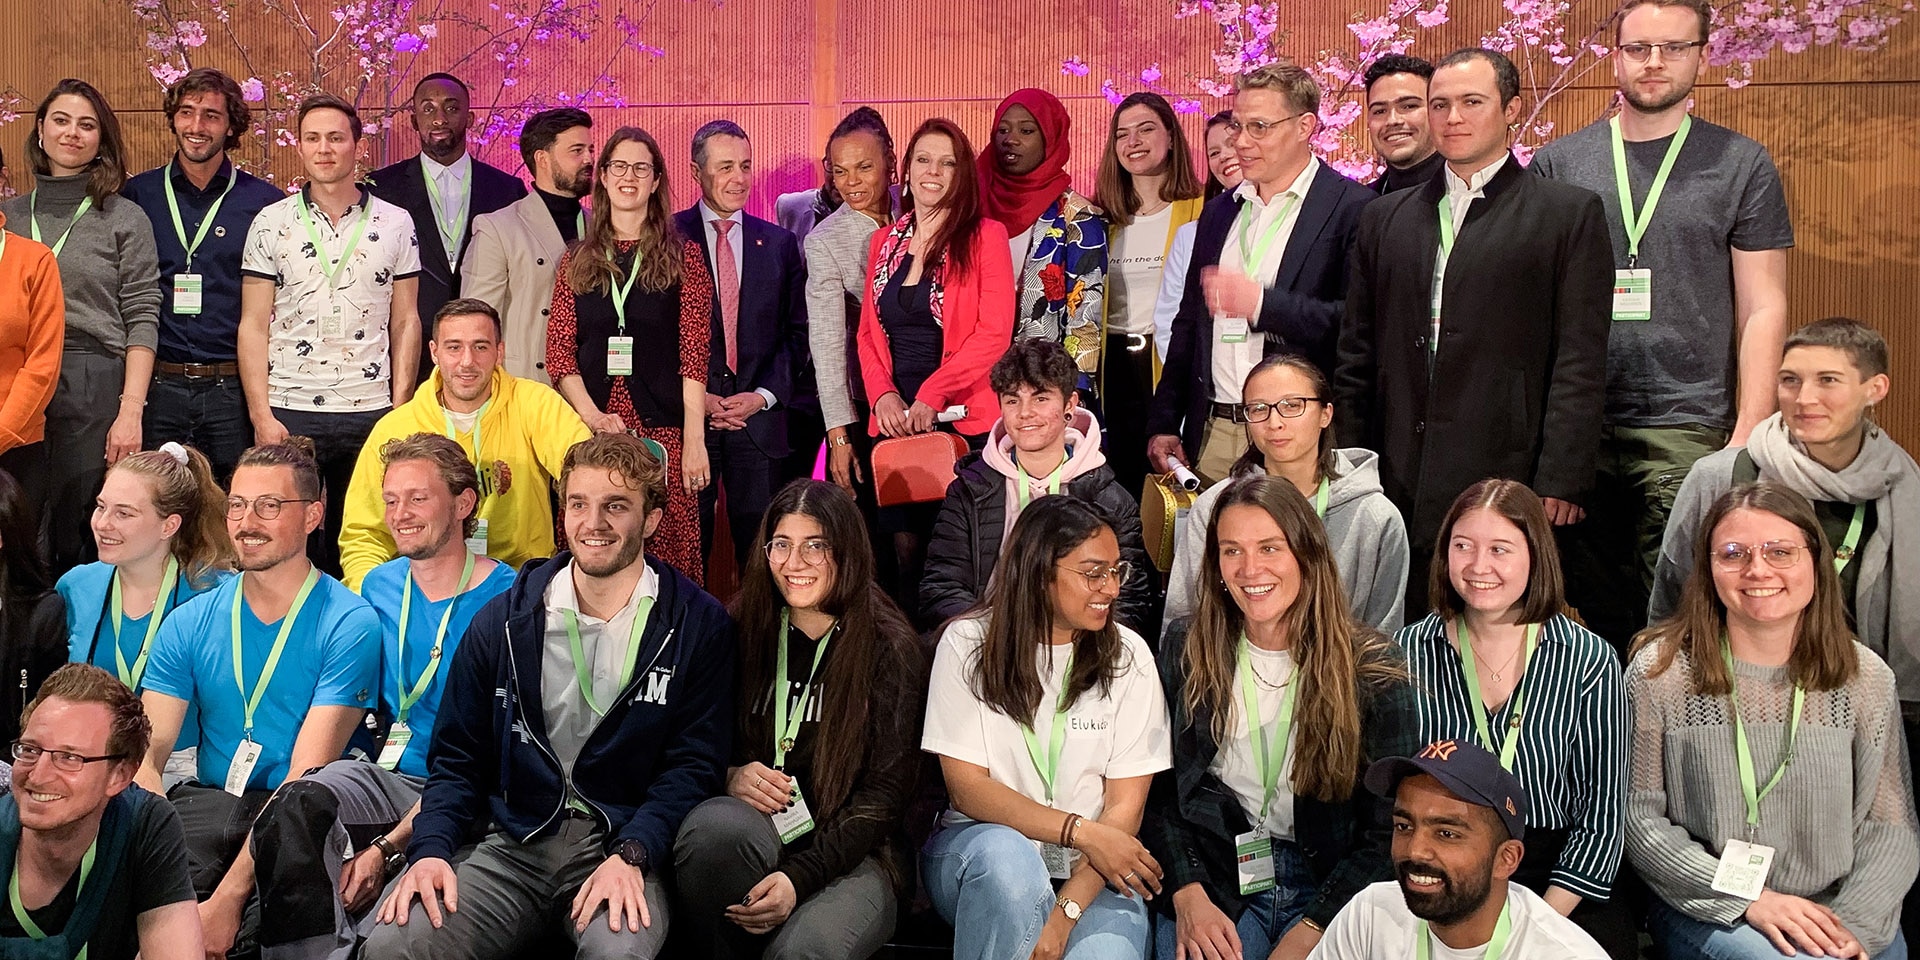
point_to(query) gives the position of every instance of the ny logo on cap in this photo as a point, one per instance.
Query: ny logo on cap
(1511, 812)
(1441, 750)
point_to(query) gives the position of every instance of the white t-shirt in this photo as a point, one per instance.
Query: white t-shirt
(1135, 255)
(1234, 763)
(1123, 734)
(1376, 925)
(1018, 246)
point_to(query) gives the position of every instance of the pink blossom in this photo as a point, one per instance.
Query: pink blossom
(1151, 75)
(1431, 18)
(190, 33)
(253, 91)
(166, 72)
(1074, 67)
(429, 30)
(1186, 105)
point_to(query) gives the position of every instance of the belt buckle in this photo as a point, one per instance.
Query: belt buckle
(1136, 342)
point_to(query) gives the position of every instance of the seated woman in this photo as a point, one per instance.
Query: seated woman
(1293, 440)
(1273, 638)
(1500, 663)
(805, 855)
(1769, 808)
(1049, 726)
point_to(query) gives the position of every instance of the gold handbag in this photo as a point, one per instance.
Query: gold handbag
(1162, 502)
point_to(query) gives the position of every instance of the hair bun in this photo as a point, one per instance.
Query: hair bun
(303, 444)
(176, 451)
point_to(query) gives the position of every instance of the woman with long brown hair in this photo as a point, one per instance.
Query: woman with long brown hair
(1280, 700)
(1769, 806)
(634, 281)
(805, 855)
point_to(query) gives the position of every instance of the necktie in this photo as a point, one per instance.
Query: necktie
(728, 276)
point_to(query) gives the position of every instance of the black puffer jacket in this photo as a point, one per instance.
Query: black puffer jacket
(33, 644)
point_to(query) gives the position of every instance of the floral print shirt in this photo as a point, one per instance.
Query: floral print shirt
(1063, 282)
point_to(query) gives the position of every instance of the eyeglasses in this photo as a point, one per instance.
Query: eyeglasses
(1259, 129)
(1097, 576)
(1287, 407)
(1637, 52)
(28, 754)
(813, 553)
(266, 508)
(620, 168)
(1779, 554)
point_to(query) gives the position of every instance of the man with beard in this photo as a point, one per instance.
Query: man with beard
(589, 709)
(362, 813)
(515, 431)
(1397, 121)
(281, 662)
(1700, 236)
(515, 251)
(1459, 820)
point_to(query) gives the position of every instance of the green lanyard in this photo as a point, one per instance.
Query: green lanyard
(1502, 929)
(584, 670)
(788, 728)
(33, 220)
(1446, 228)
(1744, 754)
(1636, 224)
(1511, 744)
(1250, 258)
(20, 914)
(1320, 498)
(479, 465)
(450, 227)
(131, 675)
(180, 227)
(408, 699)
(619, 292)
(252, 703)
(1026, 483)
(1269, 741)
(1049, 763)
(1845, 551)
(3, 243)
(320, 249)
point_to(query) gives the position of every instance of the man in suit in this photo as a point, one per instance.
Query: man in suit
(443, 189)
(1476, 324)
(759, 333)
(515, 250)
(1269, 272)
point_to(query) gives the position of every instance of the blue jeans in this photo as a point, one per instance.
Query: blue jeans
(1683, 936)
(205, 412)
(1267, 917)
(988, 882)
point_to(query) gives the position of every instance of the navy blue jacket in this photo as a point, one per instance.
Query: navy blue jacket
(658, 752)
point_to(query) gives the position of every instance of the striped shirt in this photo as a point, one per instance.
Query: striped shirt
(1573, 738)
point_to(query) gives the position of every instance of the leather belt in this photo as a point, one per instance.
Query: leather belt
(1136, 342)
(227, 369)
(1226, 411)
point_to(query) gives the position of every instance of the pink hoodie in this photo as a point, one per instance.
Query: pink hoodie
(1083, 457)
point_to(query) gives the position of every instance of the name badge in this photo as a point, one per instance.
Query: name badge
(333, 324)
(1254, 862)
(186, 293)
(1231, 329)
(619, 356)
(245, 757)
(398, 736)
(796, 821)
(1059, 860)
(1633, 294)
(477, 544)
(1743, 869)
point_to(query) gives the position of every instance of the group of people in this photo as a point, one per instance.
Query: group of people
(1545, 588)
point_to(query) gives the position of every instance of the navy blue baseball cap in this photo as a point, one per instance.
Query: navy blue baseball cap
(1467, 771)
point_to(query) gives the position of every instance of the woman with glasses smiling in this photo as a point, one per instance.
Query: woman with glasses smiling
(634, 281)
(1289, 420)
(1770, 809)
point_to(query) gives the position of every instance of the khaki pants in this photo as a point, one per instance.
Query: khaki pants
(1221, 443)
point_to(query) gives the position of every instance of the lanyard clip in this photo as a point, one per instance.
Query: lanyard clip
(1633, 259)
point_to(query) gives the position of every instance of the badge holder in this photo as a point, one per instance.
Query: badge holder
(187, 293)
(796, 820)
(398, 736)
(1254, 862)
(619, 356)
(240, 772)
(1633, 294)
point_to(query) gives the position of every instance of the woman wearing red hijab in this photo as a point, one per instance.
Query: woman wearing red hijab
(1057, 238)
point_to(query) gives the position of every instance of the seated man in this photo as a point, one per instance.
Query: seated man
(1459, 820)
(517, 431)
(588, 710)
(362, 813)
(1044, 442)
(98, 868)
(281, 662)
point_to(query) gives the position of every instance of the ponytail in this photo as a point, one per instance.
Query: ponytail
(181, 482)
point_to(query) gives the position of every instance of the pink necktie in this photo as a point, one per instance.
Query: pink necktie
(729, 278)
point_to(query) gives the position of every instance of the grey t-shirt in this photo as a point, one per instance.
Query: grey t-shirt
(1723, 194)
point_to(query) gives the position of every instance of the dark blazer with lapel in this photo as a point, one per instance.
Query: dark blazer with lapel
(1517, 384)
(404, 185)
(1300, 312)
(1192, 818)
(773, 322)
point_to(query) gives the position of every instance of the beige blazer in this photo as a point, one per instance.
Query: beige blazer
(510, 263)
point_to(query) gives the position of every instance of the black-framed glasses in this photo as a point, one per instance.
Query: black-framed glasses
(1674, 50)
(1260, 129)
(615, 169)
(1287, 407)
(1779, 554)
(1096, 576)
(28, 754)
(813, 553)
(266, 508)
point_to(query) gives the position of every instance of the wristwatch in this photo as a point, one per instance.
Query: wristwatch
(634, 853)
(393, 860)
(1069, 908)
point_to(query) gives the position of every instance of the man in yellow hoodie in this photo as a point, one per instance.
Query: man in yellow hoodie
(516, 430)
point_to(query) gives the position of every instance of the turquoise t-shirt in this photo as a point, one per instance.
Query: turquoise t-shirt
(401, 664)
(87, 591)
(332, 659)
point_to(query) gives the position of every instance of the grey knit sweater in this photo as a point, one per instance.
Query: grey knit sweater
(109, 267)
(1841, 819)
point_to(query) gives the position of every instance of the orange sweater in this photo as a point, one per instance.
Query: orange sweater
(33, 325)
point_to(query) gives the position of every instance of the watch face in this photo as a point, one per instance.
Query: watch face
(633, 852)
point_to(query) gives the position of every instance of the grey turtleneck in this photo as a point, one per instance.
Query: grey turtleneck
(109, 268)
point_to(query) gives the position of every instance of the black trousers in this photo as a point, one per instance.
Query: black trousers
(1128, 378)
(748, 476)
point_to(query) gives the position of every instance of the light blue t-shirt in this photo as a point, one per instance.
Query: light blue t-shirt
(400, 665)
(332, 659)
(87, 592)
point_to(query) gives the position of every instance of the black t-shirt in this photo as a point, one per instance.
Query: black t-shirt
(153, 875)
(906, 313)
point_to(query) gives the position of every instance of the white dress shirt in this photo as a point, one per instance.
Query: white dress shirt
(455, 184)
(603, 644)
(1233, 361)
(737, 241)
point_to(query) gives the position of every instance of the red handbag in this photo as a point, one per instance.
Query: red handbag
(915, 469)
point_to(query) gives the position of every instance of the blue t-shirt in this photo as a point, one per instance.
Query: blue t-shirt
(87, 591)
(332, 659)
(400, 665)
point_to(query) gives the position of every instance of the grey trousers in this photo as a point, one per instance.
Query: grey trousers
(512, 894)
(724, 848)
(82, 410)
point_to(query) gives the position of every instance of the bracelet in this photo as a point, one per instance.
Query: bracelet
(1066, 829)
(124, 398)
(1310, 925)
(1072, 830)
(840, 441)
